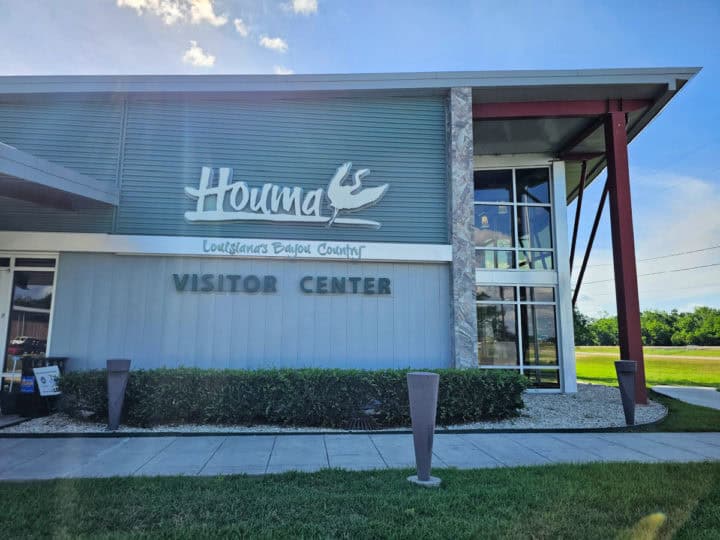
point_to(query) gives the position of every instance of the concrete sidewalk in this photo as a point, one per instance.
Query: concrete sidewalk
(702, 396)
(23, 459)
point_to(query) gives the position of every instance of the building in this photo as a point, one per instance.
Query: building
(368, 221)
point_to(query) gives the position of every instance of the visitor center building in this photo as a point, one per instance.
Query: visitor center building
(409, 220)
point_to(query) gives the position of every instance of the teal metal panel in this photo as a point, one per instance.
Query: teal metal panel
(113, 306)
(81, 133)
(298, 141)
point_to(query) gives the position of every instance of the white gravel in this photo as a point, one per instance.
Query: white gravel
(594, 406)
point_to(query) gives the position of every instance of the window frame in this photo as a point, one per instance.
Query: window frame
(515, 205)
(516, 303)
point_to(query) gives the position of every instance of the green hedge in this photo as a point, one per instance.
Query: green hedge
(298, 397)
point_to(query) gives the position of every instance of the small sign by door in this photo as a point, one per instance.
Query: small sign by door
(47, 378)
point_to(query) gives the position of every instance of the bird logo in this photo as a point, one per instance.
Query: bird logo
(350, 197)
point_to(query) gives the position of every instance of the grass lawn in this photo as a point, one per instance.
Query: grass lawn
(581, 501)
(679, 370)
(710, 352)
(683, 417)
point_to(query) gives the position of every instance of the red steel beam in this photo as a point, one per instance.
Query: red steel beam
(556, 109)
(621, 223)
(588, 249)
(581, 190)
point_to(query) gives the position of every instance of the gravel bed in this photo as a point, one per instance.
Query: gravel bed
(594, 406)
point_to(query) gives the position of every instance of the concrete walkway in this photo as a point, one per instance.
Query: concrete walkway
(23, 459)
(695, 395)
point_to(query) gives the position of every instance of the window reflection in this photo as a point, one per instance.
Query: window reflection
(538, 335)
(499, 259)
(497, 335)
(517, 329)
(543, 378)
(493, 226)
(533, 185)
(535, 260)
(537, 294)
(493, 186)
(534, 227)
(492, 292)
(513, 218)
(29, 316)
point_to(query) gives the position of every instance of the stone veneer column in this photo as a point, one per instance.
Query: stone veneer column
(460, 173)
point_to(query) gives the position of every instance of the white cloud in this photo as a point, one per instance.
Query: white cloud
(281, 70)
(196, 56)
(276, 44)
(304, 7)
(204, 11)
(176, 11)
(241, 27)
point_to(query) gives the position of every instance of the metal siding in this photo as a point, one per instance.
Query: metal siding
(111, 306)
(290, 142)
(82, 134)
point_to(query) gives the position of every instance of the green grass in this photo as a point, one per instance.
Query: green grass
(682, 371)
(671, 351)
(571, 501)
(683, 417)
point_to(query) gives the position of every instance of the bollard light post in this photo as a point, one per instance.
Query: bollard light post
(117, 378)
(625, 370)
(423, 394)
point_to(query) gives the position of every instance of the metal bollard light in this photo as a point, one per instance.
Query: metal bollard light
(423, 394)
(625, 370)
(117, 378)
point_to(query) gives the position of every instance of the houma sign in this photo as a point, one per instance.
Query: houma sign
(236, 201)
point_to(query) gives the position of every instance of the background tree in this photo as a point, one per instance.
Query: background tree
(659, 328)
(584, 334)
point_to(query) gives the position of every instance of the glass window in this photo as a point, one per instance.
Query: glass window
(493, 258)
(35, 263)
(494, 186)
(533, 185)
(538, 335)
(543, 378)
(493, 226)
(537, 294)
(513, 213)
(496, 293)
(534, 227)
(497, 335)
(535, 260)
(517, 329)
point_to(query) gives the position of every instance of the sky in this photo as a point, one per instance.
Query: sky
(675, 174)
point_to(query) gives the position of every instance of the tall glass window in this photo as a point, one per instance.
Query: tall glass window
(517, 329)
(513, 221)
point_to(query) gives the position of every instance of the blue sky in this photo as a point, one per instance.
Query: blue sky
(674, 169)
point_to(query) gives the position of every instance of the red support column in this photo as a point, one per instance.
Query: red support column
(626, 287)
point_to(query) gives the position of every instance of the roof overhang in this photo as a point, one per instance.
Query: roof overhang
(564, 118)
(29, 178)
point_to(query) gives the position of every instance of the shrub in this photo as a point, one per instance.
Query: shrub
(298, 397)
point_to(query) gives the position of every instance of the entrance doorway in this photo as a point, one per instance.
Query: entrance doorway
(27, 286)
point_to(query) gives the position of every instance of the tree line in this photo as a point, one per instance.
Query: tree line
(699, 327)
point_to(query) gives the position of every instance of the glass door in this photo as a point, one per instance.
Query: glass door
(26, 314)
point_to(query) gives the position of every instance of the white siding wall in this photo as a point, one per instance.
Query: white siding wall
(110, 306)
